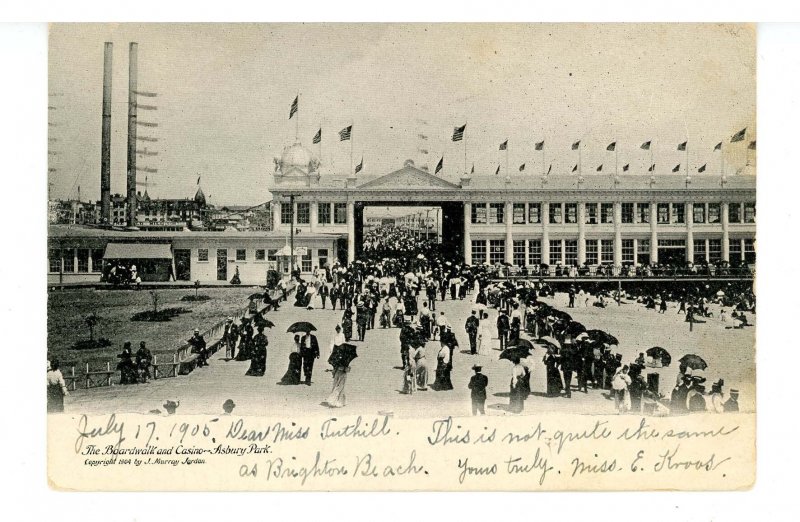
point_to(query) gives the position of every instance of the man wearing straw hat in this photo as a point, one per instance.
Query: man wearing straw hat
(477, 386)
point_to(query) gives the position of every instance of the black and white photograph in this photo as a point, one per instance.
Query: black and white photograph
(469, 228)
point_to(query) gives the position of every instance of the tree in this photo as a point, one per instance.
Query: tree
(91, 321)
(154, 297)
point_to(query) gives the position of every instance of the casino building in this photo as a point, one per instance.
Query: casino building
(526, 219)
(522, 219)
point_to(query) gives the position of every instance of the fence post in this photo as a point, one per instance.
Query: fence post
(87, 375)
(108, 373)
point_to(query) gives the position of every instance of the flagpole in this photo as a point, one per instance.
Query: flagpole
(721, 161)
(320, 142)
(506, 158)
(687, 158)
(465, 148)
(352, 139)
(543, 162)
(616, 160)
(297, 121)
(580, 165)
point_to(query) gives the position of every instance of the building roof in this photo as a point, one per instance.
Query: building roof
(78, 231)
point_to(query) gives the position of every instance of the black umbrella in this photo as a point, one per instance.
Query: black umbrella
(695, 362)
(261, 321)
(515, 352)
(301, 326)
(558, 314)
(523, 343)
(342, 355)
(657, 352)
(602, 336)
(574, 328)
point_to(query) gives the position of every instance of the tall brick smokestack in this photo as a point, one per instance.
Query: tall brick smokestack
(132, 76)
(105, 138)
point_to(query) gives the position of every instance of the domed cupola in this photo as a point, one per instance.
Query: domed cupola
(296, 165)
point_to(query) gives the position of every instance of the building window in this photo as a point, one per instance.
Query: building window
(272, 255)
(69, 260)
(713, 212)
(241, 254)
(735, 249)
(591, 252)
(83, 260)
(749, 212)
(534, 212)
(627, 212)
(627, 250)
(699, 213)
(570, 252)
(202, 254)
(663, 213)
(97, 260)
(606, 213)
(324, 213)
(591, 214)
(496, 211)
(519, 253)
(305, 261)
(261, 254)
(681, 243)
(322, 257)
(286, 214)
(555, 215)
(519, 214)
(643, 213)
(479, 213)
(340, 213)
(497, 251)
(55, 260)
(607, 251)
(555, 251)
(749, 251)
(714, 250)
(734, 213)
(643, 252)
(478, 251)
(678, 215)
(303, 213)
(535, 252)
(699, 251)
(571, 212)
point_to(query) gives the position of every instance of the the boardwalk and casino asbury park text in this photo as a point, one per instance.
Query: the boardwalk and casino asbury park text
(401, 257)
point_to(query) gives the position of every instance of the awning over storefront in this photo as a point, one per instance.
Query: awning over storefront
(138, 251)
(286, 251)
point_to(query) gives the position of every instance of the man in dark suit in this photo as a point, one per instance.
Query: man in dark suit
(477, 385)
(503, 326)
(471, 326)
(309, 350)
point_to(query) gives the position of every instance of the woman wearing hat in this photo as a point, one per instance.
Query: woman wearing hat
(715, 403)
(56, 388)
(292, 375)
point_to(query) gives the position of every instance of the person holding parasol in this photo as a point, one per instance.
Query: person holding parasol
(340, 360)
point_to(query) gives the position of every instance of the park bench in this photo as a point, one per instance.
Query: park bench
(164, 369)
(187, 365)
(95, 378)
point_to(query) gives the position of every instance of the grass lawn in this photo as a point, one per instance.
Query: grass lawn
(67, 310)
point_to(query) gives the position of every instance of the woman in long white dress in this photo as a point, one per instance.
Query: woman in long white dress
(484, 335)
(337, 399)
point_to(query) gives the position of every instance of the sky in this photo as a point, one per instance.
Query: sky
(224, 93)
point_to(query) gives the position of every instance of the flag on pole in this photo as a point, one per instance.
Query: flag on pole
(317, 136)
(600, 168)
(504, 145)
(702, 169)
(293, 109)
(198, 180)
(626, 167)
(344, 134)
(522, 167)
(645, 145)
(652, 168)
(576, 145)
(458, 133)
(539, 145)
(549, 168)
(360, 165)
(752, 145)
(473, 169)
(676, 168)
(575, 168)
(496, 172)
(439, 166)
(739, 136)
(682, 146)
(718, 146)
(612, 146)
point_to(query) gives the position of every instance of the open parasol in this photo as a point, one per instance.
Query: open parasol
(261, 321)
(602, 336)
(551, 341)
(659, 354)
(301, 326)
(342, 355)
(524, 343)
(515, 352)
(574, 328)
(695, 362)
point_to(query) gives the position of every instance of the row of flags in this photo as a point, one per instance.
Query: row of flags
(458, 135)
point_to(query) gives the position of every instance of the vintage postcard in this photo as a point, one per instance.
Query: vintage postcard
(332, 257)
